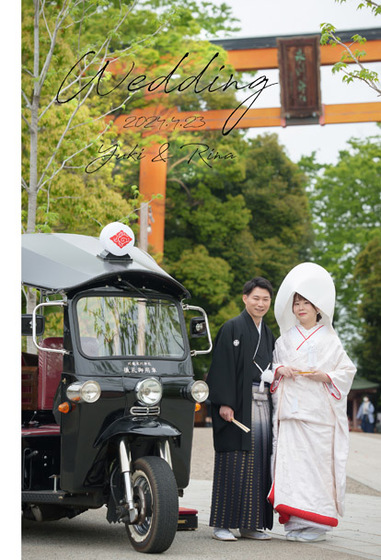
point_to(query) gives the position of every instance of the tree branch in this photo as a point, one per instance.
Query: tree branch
(59, 20)
(177, 163)
(26, 121)
(81, 102)
(365, 75)
(42, 11)
(371, 83)
(63, 164)
(374, 4)
(182, 184)
(24, 184)
(104, 47)
(104, 114)
(80, 20)
(25, 69)
(29, 106)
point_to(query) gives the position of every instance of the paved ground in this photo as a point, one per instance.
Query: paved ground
(358, 533)
(90, 537)
(363, 467)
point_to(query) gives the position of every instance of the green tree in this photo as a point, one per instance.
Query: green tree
(64, 113)
(56, 137)
(251, 212)
(207, 277)
(345, 204)
(274, 190)
(368, 275)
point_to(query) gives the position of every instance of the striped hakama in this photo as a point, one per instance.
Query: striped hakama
(242, 478)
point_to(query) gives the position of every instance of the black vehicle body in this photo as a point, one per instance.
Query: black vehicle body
(124, 340)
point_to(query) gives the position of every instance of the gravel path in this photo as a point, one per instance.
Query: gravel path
(203, 460)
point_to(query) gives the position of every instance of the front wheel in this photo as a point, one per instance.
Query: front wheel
(156, 499)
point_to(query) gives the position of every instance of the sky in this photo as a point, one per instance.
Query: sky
(261, 18)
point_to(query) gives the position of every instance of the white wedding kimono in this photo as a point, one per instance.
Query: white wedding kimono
(310, 429)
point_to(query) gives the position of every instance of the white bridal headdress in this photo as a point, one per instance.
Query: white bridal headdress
(311, 281)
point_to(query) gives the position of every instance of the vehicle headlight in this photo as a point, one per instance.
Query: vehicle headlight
(89, 391)
(149, 391)
(198, 391)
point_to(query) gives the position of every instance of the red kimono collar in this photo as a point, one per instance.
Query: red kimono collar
(307, 337)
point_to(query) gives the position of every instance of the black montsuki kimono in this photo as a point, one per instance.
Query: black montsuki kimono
(232, 374)
(241, 480)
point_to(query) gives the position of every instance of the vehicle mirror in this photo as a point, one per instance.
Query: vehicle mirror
(26, 325)
(198, 327)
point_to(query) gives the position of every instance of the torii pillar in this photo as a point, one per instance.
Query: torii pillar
(153, 182)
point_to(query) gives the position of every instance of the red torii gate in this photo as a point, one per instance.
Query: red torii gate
(247, 55)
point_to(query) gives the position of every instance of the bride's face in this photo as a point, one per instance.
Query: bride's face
(304, 311)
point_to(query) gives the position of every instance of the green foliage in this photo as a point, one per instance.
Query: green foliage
(362, 74)
(375, 7)
(251, 212)
(208, 278)
(329, 36)
(368, 275)
(68, 199)
(68, 136)
(346, 209)
(241, 218)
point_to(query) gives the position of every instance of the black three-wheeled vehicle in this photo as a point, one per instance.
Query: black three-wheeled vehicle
(108, 407)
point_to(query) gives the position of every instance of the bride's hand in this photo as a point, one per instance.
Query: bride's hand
(318, 376)
(287, 371)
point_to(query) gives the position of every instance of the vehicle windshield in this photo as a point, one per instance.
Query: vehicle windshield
(129, 326)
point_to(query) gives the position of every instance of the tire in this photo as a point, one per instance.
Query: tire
(156, 498)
